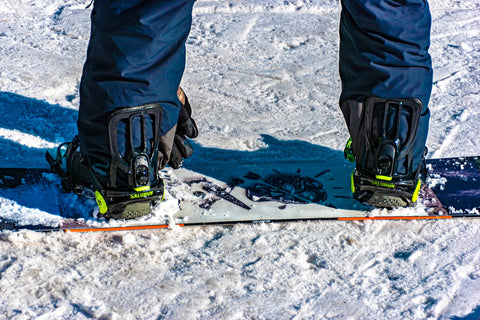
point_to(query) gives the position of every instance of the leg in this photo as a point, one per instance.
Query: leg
(136, 56)
(386, 77)
(130, 117)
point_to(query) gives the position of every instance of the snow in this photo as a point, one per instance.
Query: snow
(254, 68)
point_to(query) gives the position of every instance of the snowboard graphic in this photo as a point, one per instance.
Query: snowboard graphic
(243, 193)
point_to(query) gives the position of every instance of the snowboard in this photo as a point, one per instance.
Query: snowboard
(239, 192)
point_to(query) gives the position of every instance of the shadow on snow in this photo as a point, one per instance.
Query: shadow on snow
(25, 122)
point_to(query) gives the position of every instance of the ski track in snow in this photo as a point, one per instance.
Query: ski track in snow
(254, 68)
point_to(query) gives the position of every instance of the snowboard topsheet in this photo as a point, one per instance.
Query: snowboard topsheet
(226, 193)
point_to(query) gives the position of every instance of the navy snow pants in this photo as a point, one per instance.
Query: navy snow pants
(384, 49)
(136, 55)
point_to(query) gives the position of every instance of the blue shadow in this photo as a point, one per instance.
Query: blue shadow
(209, 161)
(475, 315)
(22, 121)
(21, 115)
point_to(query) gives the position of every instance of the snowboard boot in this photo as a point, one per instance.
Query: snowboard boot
(132, 185)
(389, 151)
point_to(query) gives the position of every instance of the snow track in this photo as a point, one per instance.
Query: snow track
(255, 68)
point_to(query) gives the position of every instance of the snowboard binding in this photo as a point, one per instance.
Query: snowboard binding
(133, 184)
(388, 173)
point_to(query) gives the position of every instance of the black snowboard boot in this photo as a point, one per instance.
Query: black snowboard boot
(132, 185)
(138, 152)
(388, 146)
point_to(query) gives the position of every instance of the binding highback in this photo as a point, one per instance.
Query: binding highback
(134, 139)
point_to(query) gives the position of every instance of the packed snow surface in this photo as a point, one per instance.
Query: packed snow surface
(255, 68)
